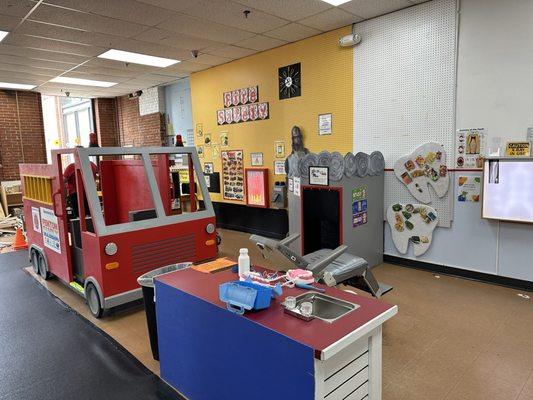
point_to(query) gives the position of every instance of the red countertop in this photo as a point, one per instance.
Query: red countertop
(316, 333)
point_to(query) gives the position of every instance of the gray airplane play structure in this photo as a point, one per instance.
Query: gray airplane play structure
(330, 266)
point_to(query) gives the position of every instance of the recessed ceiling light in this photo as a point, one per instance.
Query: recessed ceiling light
(136, 58)
(336, 2)
(83, 82)
(3, 34)
(22, 86)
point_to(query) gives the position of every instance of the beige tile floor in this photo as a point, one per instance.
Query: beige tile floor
(453, 339)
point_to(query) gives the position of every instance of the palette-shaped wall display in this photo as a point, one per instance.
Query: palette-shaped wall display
(413, 223)
(426, 165)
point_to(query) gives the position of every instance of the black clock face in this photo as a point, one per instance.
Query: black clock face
(290, 81)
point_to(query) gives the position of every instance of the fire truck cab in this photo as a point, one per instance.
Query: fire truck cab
(126, 216)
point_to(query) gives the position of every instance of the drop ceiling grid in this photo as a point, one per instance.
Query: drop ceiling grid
(70, 33)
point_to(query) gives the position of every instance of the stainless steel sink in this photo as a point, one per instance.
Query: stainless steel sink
(326, 308)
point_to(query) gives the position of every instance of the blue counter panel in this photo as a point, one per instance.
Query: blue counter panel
(209, 353)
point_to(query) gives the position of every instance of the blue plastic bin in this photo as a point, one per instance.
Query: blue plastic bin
(240, 296)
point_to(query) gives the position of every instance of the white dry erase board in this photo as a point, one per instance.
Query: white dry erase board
(507, 193)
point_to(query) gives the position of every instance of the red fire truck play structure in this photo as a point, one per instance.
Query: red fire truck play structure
(130, 227)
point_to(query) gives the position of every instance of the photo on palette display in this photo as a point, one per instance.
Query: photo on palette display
(412, 223)
(424, 167)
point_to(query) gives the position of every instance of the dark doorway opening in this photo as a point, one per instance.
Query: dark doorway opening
(321, 218)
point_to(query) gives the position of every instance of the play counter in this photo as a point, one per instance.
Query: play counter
(207, 352)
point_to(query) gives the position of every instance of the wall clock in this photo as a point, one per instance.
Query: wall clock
(290, 81)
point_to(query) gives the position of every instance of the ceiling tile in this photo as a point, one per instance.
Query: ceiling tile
(229, 13)
(98, 77)
(209, 59)
(126, 10)
(89, 22)
(41, 54)
(53, 65)
(175, 5)
(103, 63)
(16, 8)
(22, 77)
(102, 40)
(4, 66)
(35, 42)
(292, 32)
(292, 10)
(106, 71)
(261, 43)
(203, 29)
(179, 40)
(8, 23)
(331, 19)
(189, 66)
(231, 52)
(373, 8)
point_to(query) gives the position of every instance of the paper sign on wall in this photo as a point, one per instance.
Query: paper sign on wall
(296, 186)
(50, 228)
(36, 219)
(469, 148)
(359, 206)
(517, 149)
(469, 188)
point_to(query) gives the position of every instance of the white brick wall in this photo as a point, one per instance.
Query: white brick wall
(152, 100)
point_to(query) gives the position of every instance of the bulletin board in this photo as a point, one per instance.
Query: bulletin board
(404, 90)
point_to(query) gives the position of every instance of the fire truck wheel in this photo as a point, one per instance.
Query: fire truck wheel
(43, 271)
(93, 301)
(34, 261)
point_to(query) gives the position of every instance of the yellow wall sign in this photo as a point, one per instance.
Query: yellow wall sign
(518, 149)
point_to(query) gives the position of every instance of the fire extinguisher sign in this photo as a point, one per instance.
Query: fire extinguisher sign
(50, 228)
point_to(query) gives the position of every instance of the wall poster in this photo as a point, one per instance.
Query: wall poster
(469, 188)
(36, 219)
(359, 206)
(279, 167)
(50, 228)
(469, 148)
(233, 175)
(324, 124)
(257, 187)
(256, 159)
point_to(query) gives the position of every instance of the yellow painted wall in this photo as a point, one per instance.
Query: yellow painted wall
(327, 87)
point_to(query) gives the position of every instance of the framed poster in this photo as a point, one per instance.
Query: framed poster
(257, 159)
(257, 187)
(324, 124)
(199, 130)
(224, 139)
(319, 176)
(279, 167)
(469, 148)
(200, 150)
(233, 175)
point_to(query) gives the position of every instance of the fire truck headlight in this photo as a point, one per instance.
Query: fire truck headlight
(210, 228)
(111, 249)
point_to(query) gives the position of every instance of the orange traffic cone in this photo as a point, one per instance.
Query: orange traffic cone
(20, 241)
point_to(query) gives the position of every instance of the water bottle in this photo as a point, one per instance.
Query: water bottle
(244, 262)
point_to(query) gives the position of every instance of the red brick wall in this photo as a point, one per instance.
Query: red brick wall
(20, 113)
(148, 130)
(105, 111)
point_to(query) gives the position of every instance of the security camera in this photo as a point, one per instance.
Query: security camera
(136, 94)
(194, 53)
(350, 40)
(67, 94)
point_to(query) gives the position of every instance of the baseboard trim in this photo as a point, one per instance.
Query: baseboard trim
(462, 273)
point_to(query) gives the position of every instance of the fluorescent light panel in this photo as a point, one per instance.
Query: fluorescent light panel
(22, 86)
(83, 82)
(336, 2)
(3, 34)
(136, 58)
